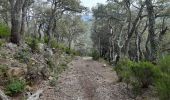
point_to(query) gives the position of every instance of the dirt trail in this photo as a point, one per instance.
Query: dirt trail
(87, 80)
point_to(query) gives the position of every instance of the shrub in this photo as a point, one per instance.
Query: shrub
(22, 55)
(123, 70)
(2, 43)
(4, 31)
(164, 64)
(53, 82)
(3, 70)
(145, 73)
(50, 64)
(15, 86)
(139, 75)
(34, 45)
(163, 87)
(95, 54)
(54, 44)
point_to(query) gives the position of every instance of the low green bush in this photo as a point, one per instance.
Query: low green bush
(15, 86)
(4, 31)
(2, 42)
(3, 70)
(22, 55)
(138, 75)
(33, 43)
(123, 70)
(50, 64)
(53, 82)
(145, 73)
(162, 86)
(164, 64)
(95, 54)
(54, 44)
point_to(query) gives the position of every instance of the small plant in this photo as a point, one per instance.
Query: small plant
(22, 55)
(3, 70)
(50, 64)
(54, 44)
(34, 45)
(4, 31)
(53, 82)
(15, 86)
(2, 43)
(95, 54)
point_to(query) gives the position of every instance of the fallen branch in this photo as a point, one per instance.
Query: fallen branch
(3, 96)
(36, 95)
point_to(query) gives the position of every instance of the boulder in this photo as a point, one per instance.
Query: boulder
(41, 47)
(11, 46)
(48, 53)
(104, 65)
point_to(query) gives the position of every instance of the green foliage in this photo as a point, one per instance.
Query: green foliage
(162, 84)
(1, 42)
(123, 69)
(33, 43)
(62, 47)
(163, 87)
(53, 82)
(145, 73)
(95, 54)
(50, 64)
(3, 70)
(22, 55)
(139, 75)
(59, 69)
(15, 86)
(4, 31)
(54, 44)
(164, 64)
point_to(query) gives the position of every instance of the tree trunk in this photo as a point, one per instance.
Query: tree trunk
(132, 30)
(16, 14)
(151, 30)
(51, 21)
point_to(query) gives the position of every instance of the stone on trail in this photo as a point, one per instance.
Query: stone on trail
(87, 58)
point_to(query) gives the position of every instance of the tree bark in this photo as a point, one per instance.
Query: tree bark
(132, 30)
(16, 15)
(153, 39)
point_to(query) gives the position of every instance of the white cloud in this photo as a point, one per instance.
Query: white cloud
(92, 3)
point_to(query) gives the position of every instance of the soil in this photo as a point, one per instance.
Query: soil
(87, 80)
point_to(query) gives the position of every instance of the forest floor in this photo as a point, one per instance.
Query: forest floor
(87, 80)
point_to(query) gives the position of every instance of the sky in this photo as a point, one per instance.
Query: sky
(92, 3)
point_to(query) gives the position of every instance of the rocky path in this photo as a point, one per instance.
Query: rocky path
(87, 80)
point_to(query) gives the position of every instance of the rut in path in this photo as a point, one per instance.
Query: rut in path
(87, 80)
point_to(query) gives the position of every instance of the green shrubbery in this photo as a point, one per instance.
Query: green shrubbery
(163, 82)
(33, 43)
(15, 86)
(3, 70)
(22, 55)
(2, 42)
(123, 70)
(164, 65)
(163, 87)
(4, 31)
(143, 74)
(95, 54)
